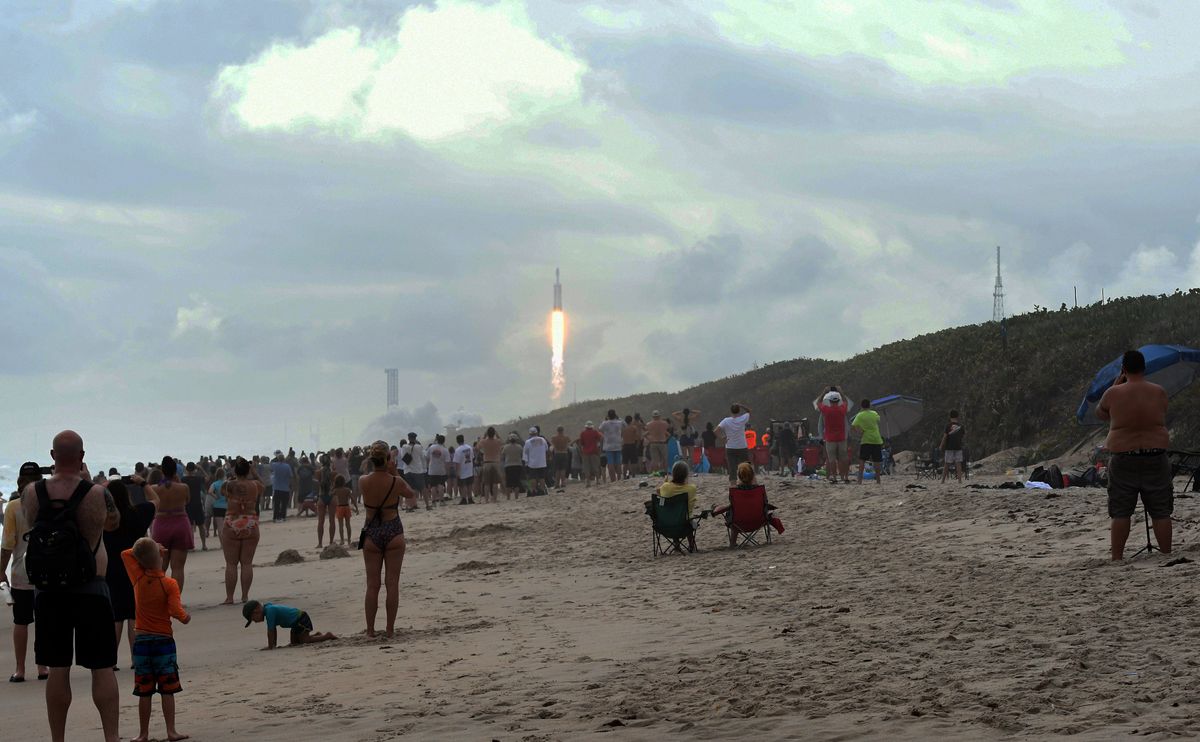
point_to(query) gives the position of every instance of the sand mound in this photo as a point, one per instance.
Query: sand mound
(489, 529)
(473, 566)
(288, 556)
(335, 551)
(1001, 461)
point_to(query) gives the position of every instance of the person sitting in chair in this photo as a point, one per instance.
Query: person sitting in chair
(677, 485)
(747, 481)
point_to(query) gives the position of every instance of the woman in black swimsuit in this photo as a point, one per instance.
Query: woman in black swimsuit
(382, 539)
(324, 500)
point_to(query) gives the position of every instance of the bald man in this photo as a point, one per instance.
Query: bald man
(79, 617)
(1136, 412)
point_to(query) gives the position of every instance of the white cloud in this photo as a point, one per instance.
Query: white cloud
(448, 71)
(620, 20)
(956, 41)
(201, 316)
(14, 124)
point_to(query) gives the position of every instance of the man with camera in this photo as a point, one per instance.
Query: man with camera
(1136, 412)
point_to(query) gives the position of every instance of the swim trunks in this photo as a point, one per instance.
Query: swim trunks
(155, 666)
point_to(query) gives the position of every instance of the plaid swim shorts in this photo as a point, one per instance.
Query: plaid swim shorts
(155, 667)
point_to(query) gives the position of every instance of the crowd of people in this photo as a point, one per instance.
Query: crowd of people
(90, 556)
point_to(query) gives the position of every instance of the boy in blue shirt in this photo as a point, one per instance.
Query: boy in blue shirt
(282, 616)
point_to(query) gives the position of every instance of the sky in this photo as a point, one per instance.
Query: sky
(220, 221)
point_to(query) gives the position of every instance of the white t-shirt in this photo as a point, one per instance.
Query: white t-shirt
(534, 452)
(464, 456)
(437, 460)
(418, 465)
(735, 430)
(611, 430)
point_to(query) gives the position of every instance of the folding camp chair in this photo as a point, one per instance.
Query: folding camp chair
(1186, 463)
(931, 468)
(747, 515)
(670, 525)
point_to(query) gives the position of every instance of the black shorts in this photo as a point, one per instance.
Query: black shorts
(304, 625)
(562, 463)
(415, 480)
(465, 481)
(82, 621)
(195, 514)
(435, 480)
(513, 476)
(870, 452)
(1148, 476)
(629, 453)
(218, 512)
(22, 607)
(536, 474)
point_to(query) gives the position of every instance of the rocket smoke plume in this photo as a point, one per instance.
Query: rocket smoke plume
(558, 340)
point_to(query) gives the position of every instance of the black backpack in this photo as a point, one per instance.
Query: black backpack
(58, 556)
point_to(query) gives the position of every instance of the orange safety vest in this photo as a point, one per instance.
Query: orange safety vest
(751, 439)
(766, 440)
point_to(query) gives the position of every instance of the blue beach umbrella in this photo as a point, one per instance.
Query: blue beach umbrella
(1172, 367)
(897, 413)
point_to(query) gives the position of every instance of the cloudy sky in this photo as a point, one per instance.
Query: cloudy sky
(221, 219)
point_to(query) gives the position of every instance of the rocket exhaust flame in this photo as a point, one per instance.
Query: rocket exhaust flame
(558, 340)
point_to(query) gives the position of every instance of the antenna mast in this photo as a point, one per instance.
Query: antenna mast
(998, 293)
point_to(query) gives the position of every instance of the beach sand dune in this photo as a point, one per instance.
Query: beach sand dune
(882, 612)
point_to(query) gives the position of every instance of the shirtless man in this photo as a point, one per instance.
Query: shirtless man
(561, 443)
(657, 432)
(1136, 412)
(78, 617)
(491, 476)
(630, 435)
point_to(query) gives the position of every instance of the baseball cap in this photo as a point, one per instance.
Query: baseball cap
(248, 610)
(30, 469)
(656, 413)
(533, 431)
(589, 424)
(278, 452)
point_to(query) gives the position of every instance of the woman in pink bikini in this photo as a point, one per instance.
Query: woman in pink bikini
(240, 533)
(172, 528)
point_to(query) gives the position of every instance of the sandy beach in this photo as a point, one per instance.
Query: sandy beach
(883, 611)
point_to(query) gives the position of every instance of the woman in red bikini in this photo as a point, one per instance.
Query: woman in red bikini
(172, 528)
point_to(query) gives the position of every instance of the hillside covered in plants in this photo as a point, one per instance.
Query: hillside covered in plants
(1023, 392)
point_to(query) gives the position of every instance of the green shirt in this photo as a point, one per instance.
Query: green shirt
(868, 422)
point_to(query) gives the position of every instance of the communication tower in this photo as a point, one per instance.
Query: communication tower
(998, 293)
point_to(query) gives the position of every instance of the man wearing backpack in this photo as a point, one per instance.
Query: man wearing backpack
(66, 562)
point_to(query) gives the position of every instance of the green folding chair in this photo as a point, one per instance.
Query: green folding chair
(671, 527)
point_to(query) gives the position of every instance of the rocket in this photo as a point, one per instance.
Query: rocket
(557, 292)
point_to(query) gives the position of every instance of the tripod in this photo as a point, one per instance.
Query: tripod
(1149, 548)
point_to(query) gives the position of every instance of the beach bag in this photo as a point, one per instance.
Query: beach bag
(704, 467)
(58, 557)
(1054, 477)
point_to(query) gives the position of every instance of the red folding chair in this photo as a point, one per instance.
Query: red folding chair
(716, 457)
(747, 515)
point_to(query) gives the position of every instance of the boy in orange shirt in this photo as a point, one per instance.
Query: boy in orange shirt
(156, 601)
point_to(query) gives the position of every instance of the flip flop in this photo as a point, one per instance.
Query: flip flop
(14, 679)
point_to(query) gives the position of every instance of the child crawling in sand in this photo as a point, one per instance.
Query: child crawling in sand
(156, 602)
(341, 499)
(277, 615)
